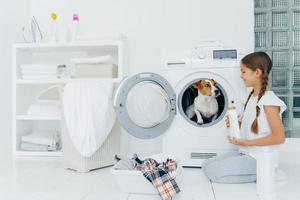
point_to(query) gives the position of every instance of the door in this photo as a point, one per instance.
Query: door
(145, 105)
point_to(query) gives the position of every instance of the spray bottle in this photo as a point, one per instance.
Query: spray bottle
(234, 128)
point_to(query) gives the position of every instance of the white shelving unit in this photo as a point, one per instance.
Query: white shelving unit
(25, 91)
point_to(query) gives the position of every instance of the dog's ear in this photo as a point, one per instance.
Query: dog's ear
(213, 81)
(197, 84)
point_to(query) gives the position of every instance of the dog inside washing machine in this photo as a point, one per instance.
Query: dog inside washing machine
(203, 106)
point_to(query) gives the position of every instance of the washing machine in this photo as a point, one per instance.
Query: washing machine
(150, 105)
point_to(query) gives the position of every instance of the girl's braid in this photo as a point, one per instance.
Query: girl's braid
(264, 85)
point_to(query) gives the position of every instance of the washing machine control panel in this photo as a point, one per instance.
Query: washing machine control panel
(225, 54)
(213, 53)
(217, 56)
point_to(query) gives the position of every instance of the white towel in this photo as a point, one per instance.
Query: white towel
(89, 113)
(38, 72)
(39, 77)
(38, 67)
(93, 60)
(42, 137)
(27, 146)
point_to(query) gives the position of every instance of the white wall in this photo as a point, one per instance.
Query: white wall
(156, 29)
(13, 15)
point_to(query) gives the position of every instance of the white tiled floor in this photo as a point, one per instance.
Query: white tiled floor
(45, 179)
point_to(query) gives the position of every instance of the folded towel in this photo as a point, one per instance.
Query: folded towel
(93, 60)
(39, 77)
(38, 67)
(39, 72)
(27, 146)
(42, 137)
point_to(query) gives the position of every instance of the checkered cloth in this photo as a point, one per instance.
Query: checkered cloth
(159, 176)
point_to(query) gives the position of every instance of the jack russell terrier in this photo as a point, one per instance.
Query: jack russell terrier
(205, 104)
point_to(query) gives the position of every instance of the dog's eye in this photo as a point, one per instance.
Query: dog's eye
(207, 85)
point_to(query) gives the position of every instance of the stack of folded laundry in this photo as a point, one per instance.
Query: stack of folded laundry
(95, 67)
(38, 71)
(49, 108)
(41, 140)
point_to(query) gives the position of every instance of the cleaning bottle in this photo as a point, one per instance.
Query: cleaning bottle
(54, 34)
(74, 27)
(234, 128)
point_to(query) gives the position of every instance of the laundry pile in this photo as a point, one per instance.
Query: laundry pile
(159, 174)
(38, 71)
(41, 140)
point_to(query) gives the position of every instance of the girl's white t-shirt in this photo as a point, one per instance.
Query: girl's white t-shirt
(268, 99)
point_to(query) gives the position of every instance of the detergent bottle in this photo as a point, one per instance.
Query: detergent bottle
(74, 27)
(234, 128)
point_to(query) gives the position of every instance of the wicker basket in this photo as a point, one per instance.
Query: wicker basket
(103, 157)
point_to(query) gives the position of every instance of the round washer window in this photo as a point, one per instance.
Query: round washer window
(216, 112)
(148, 104)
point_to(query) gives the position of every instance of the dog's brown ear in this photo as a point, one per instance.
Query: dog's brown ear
(196, 84)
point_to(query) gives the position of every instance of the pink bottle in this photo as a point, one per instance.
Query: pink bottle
(74, 27)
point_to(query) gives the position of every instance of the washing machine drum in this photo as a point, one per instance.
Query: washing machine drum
(145, 105)
(148, 104)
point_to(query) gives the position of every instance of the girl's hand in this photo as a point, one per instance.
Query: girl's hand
(237, 141)
(227, 124)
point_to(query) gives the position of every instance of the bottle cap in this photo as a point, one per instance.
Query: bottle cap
(231, 106)
(75, 17)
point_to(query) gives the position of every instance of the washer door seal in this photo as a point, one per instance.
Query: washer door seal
(145, 105)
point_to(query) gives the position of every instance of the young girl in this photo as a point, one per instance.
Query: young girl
(261, 127)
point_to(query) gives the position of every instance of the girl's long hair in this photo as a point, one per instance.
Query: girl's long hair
(253, 61)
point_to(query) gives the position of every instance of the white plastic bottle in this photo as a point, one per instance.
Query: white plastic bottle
(74, 27)
(234, 128)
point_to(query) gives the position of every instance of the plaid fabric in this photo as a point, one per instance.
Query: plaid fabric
(158, 175)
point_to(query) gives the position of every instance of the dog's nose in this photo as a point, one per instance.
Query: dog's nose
(217, 92)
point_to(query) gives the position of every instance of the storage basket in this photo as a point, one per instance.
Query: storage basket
(103, 157)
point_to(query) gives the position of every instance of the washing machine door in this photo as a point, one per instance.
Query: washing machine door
(145, 105)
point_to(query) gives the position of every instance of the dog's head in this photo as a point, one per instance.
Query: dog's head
(207, 87)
